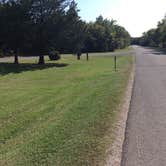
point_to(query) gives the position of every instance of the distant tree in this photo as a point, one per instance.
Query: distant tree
(155, 37)
(122, 37)
(100, 20)
(135, 40)
(106, 35)
(161, 33)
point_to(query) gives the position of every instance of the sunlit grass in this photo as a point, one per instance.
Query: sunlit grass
(59, 114)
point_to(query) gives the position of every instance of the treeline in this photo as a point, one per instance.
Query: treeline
(154, 37)
(105, 35)
(36, 27)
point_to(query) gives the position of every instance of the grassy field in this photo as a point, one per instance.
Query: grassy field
(59, 114)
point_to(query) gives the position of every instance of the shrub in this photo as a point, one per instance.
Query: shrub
(54, 55)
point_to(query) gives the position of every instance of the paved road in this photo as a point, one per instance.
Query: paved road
(145, 143)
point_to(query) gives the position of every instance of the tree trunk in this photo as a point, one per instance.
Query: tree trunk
(87, 56)
(41, 41)
(41, 60)
(16, 57)
(115, 63)
(78, 56)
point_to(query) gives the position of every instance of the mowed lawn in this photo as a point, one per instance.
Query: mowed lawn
(61, 114)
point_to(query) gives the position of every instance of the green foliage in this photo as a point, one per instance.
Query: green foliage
(74, 31)
(154, 37)
(52, 115)
(44, 15)
(13, 18)
(35, 26)
(105, 35)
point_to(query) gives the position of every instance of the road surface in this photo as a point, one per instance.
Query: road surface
(145, 143)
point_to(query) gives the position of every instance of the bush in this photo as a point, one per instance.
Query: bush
(54, 55)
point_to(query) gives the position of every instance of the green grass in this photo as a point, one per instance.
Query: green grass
(60, 114)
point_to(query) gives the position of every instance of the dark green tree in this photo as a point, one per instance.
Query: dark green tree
(74, 31)
(44, 14)
(13, 17)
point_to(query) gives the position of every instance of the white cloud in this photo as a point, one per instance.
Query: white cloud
(138, 16)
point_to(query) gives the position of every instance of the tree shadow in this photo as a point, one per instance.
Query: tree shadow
(7, 68)
(157, 51)
(160, 51)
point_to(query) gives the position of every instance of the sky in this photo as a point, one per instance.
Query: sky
(137, 16)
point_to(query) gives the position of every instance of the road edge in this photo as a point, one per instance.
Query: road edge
(114, 153)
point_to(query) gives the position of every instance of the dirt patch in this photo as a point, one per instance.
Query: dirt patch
(114, 153)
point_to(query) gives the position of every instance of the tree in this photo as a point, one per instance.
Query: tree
(13, 16)
(155, 37)
(74, 31)
(106, 35)
(43, 15)
(37, 26)
(161, 33)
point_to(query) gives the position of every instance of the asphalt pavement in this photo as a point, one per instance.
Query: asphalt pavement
(145, 142)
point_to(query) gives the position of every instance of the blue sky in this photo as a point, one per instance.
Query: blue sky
(90, 9)
(137, 16)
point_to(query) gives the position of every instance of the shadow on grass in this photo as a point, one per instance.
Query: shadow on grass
(7, 68)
